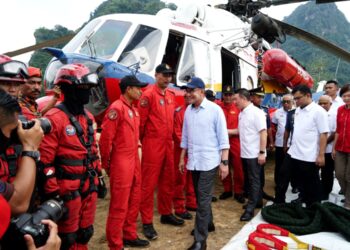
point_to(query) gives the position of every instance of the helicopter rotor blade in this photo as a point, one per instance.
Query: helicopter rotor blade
(48, 43)
(280, 2)
(315, 40)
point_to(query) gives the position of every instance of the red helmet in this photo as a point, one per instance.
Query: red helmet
(76, 74)
(12, 70)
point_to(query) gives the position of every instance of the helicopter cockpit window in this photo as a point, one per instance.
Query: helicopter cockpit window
(105, 40)
(142, 48)
(194, 61)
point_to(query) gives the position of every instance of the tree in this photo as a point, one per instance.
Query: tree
(40, 59)
(128, 6)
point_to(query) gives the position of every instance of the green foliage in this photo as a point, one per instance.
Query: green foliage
(128, 6)
(326, 21)
(40, 59)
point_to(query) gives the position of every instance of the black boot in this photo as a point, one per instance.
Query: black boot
(239, 197)
(185, 215)
(136, 243)
(225, 195)
(198, 245)
(149, 231)
(171, 220)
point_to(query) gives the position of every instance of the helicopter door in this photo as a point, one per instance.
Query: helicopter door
(194, 61)
(173, 50)
(230, 69)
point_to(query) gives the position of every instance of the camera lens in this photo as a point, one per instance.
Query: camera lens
(45, 125)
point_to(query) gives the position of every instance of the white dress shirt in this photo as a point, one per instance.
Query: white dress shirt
(252, 121)
(309, 123)
(280, 118)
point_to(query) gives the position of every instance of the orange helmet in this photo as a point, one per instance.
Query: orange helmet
(12, 70)
(34, 72)
(76, 74)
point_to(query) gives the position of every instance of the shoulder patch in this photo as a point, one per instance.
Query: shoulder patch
(112, 114)
(144, 102)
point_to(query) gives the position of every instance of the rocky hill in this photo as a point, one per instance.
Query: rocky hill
(328, 22)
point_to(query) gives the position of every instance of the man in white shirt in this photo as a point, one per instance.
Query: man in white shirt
(205, 140)
(279, 119)
(331, 89)
(253, 138)
(327, 172)
(308, 143)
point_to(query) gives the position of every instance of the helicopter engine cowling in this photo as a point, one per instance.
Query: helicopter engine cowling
(278, 65)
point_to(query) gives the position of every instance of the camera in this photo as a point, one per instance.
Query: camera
(31, 224)
(45, 124)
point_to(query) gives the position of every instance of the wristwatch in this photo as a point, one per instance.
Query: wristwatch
(225, 162)
(261, 152)
(33, 154)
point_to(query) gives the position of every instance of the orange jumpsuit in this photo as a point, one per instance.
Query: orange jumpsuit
(156, 130)
(119, 154)
(183, 182)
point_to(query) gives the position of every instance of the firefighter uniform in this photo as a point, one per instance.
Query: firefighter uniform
(29, 108)
(156, 130)
(69, 173)
(119, 154)
(183, 182)
(69, 164)
(231, 114)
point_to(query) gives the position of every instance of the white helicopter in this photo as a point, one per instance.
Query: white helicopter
(197, 39)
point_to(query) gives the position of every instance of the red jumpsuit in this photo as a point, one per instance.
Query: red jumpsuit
(64, 165)
(156, 130)
(119, 154)
(231, 114)
(183, 182)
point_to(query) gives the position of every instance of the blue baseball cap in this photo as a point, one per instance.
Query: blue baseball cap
(195, 83)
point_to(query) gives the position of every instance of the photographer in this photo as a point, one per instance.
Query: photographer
(15, 196)
(19, 193)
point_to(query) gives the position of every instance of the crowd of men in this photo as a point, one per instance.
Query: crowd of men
(157, 145)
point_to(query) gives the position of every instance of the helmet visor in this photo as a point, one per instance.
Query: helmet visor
(14, 68)
(91, 78)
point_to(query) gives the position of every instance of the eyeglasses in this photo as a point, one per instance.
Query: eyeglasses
(228, 94)
(298, 97)
(286, 101)
(13, 68)
(323, 103)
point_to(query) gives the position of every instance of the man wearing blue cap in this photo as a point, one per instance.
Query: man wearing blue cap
(205, 140)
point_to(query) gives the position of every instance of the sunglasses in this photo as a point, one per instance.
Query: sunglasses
(286, 101)
(13, 68)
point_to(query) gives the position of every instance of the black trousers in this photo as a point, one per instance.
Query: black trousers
(310, 183)
(287, 173)
(203, 182)
(253, 173)
(327, 176)
(279, 158)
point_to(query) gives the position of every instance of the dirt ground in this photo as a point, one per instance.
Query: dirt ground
(226, 219)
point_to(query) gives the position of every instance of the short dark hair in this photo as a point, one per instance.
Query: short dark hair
(302, 89)
(344, 89)
(332, 81)
(243, 93)
(8, 107)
